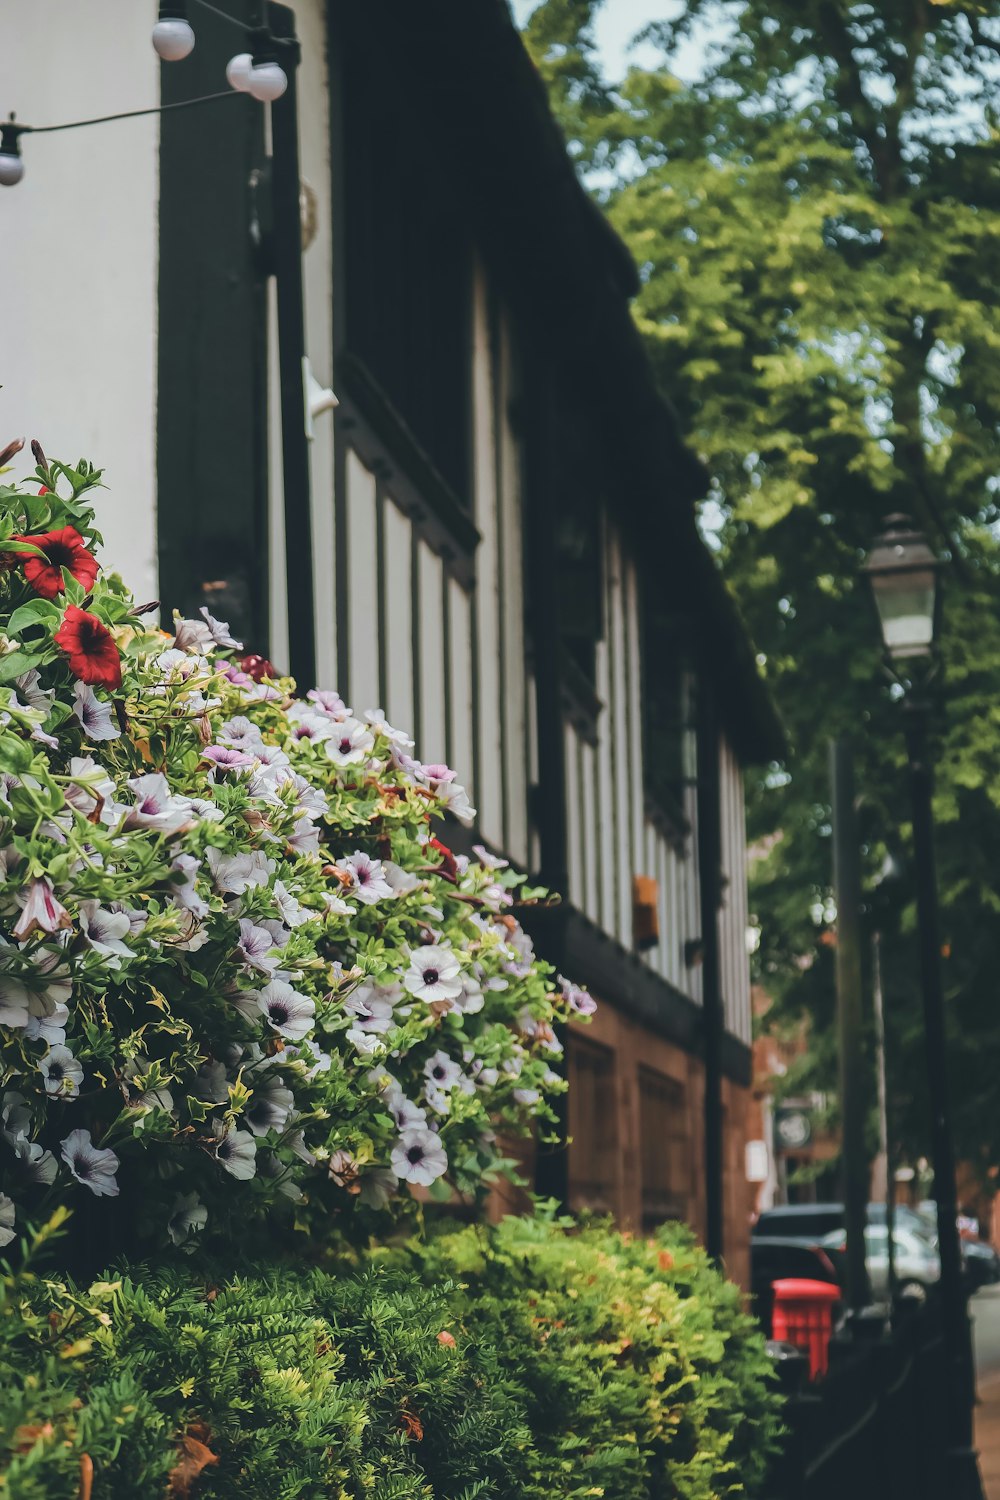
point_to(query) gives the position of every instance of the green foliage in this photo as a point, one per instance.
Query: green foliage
(644, 1375)
(522, 1364)
(815, 218)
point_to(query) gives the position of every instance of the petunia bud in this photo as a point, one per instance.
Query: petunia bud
(6, 454)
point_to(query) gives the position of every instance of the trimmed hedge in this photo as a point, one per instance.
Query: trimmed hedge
(522, 1362)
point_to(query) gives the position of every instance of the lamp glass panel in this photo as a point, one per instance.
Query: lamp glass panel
(906, 609)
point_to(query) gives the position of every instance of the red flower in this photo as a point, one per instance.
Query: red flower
(93, 655)
(60, 549)
(257, 667)
(448, 867)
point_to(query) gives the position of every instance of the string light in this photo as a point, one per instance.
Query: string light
(11, 160)
(173, 36)
(256, 72)
(238, 71)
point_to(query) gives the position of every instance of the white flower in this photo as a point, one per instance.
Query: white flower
(61, 1071)
(184, 892)
(38, 1166)
(367, 878)
(433, 974)
(92, 792)
(456, 800)
(41, 911)
(487, 860)
(90, 1165)
(330, 703)
(237, 1152)
(372, 1007)
(336, 906)
(351, 742)
(256, 947)
(442, 1072)
(365, 1043)
(285, 1010)
(292, 914)
(188, 1217)
(219, 631)
(377, 1187)
(309, 724)
(376, 718)
(419, 1157)
(156, 807)
(7, 1230)
(471, 999)
(400, 882)
(38, 698)
(309, 798)
(305, 837)
(405, 1114)
(269, 1108)
(242, 733)
(236, 873)
(105, 930)
(15, 997)
(94, 714)
(192, 635)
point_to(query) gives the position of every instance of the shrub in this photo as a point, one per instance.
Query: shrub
(238, 974)
(526, 1363)
(258, 1388)
(643, 1375)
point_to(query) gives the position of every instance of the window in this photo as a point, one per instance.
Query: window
(593, 1128)
(665, 1144)
(407, 251)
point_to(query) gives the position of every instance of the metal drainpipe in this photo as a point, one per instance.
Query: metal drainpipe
(552, 1164)
(709, 834)
(291, 357)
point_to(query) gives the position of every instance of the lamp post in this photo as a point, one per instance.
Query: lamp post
(903, 573)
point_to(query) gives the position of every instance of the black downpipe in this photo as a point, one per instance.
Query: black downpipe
(549, 808)
(713, 1015)
(291, 357)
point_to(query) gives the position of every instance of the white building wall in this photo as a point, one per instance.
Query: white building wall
(78, 258)
(610, 838)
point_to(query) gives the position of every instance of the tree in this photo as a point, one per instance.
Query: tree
(815, 219)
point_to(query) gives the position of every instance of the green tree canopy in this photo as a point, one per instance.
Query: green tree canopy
(815, 220)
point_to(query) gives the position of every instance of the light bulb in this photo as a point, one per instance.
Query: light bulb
(172, 40)
(11, 169)
(238, 71)
(267, 81)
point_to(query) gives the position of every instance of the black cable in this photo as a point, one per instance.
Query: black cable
(129, 114)
(233, 20)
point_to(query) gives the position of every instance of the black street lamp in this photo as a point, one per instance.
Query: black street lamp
(903, 573)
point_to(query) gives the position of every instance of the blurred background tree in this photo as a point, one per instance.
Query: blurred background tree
(815, 220)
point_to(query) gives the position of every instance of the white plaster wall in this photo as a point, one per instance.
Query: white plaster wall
(78, 257)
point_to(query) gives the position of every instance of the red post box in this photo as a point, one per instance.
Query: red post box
(803, 1316)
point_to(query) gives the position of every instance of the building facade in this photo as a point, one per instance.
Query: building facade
(492, 535)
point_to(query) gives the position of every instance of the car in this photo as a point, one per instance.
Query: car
(981, 1263)
(801, 1221)
(917, 1264)
(773, 1258)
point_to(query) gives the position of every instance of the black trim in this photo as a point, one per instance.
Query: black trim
(387, 446)
(287, 249)
(211, 408)
(567, 278)
(713, 1008)
(582, 706)
(620, 980)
